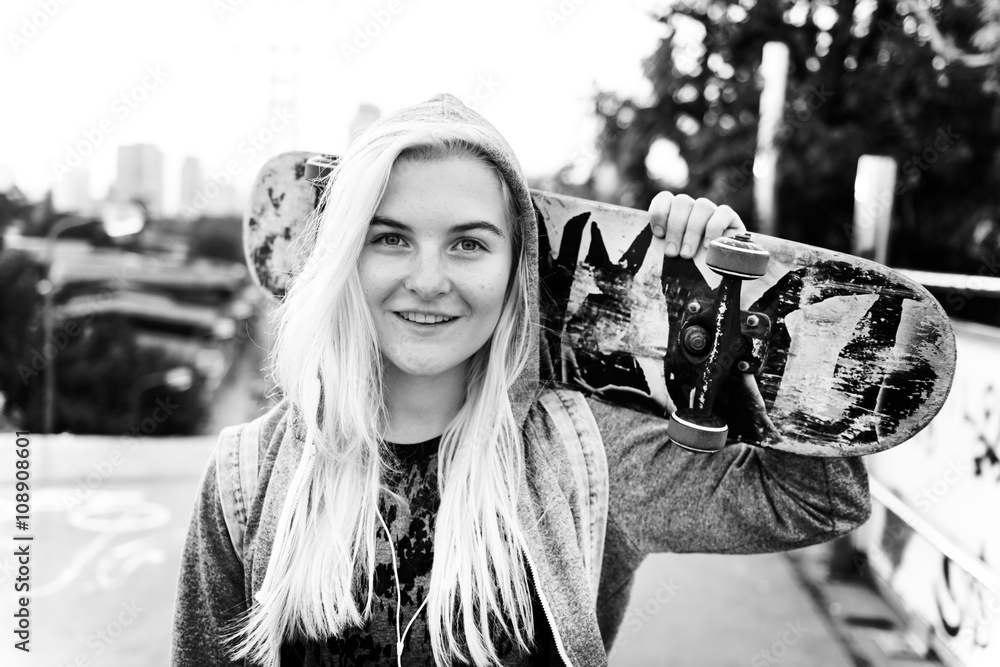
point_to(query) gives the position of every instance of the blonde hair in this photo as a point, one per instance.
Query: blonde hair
(327, 362)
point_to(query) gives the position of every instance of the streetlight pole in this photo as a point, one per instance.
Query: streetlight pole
(48, 317)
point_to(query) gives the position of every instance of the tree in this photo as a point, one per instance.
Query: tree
(218, 238)
(13, 206)
(99, 363)
(913, 79)
(20, 326)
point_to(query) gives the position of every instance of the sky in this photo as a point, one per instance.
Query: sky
(238, 80)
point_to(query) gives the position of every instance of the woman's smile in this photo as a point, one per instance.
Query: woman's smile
(427, 326)
(424, 318)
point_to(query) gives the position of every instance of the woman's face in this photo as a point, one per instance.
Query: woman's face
(435, 265)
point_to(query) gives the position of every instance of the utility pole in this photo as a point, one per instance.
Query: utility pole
(774, 70)
(873, 198)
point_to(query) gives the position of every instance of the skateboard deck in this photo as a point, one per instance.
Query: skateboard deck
(826, 354)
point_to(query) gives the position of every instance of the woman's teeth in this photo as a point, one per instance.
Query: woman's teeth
(423, 318)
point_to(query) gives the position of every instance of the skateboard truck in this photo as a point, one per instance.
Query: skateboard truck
(318, 167)
(715, 336)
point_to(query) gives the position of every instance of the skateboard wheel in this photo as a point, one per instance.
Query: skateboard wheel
(697, 431)
(737, 256)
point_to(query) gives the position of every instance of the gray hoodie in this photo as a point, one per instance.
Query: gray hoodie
(661, 498)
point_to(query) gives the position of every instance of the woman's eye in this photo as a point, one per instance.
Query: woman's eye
(388, 239)
(471, 245)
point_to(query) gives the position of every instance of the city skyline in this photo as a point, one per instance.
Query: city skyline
(116, 74)
(140, 175)
(73, 193)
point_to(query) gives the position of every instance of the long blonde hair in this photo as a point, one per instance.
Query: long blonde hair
(327, 362)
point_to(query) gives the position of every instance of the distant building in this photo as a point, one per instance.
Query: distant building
(140, 176)
(367, 114)
(71, 194)
(227, 201)
(192, 179)
(201, 196)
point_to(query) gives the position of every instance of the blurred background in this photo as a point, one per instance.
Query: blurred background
(131, 331)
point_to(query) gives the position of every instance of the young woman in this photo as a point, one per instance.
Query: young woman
(415, 504)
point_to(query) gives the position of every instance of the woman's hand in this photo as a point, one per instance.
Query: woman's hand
(686, 222)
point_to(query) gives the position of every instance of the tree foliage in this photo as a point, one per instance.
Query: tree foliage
(20, 325)
(912, 79)
(13, 206)
(98, 365)
(217, 238)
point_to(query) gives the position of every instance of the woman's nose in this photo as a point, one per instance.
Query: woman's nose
(427, 275)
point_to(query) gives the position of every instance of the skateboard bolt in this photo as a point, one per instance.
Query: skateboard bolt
(744, 236)
(743, 366)
(695, 339)
(752, 320)
(694, 307)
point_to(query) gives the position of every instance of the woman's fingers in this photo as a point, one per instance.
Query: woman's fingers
(684, 222)
(701, 212)
(677, 221)
(723, 219)
(658, 210)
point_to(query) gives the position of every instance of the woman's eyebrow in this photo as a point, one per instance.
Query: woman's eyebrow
(454, 229)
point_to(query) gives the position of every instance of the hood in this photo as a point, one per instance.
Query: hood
(448, 109)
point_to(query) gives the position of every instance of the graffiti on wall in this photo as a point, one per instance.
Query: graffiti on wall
(949, 476)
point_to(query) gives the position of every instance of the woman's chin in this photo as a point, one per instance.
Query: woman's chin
(427, 371)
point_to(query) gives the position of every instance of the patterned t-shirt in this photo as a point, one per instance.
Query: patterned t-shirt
(412, 533)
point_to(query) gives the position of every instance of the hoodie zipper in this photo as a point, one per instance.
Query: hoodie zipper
(545, 608)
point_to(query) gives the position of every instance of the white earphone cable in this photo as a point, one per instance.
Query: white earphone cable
(399, 599)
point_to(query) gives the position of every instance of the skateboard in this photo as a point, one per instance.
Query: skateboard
(755, 340)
